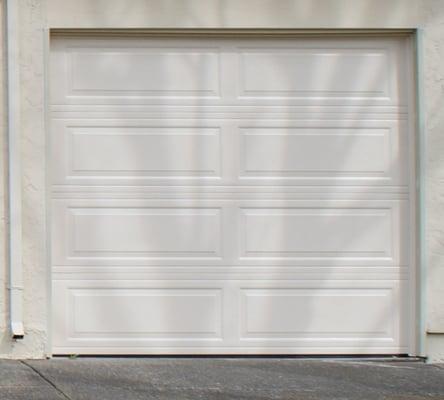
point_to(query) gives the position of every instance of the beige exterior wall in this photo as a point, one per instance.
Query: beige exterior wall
(3, 186)
(233, 13)
(36, 15)
(433, 82)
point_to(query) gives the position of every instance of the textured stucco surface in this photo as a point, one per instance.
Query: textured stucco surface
(233, 13)
(434, 107)
(35, 15)
(434, 129)
(3, 186)
(35, 293)
(33, 180)
(33, 176)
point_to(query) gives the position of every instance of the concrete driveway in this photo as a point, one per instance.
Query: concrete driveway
(219, 378)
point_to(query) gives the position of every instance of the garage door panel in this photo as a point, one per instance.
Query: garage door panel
(230, 232)
(223, 72)
(130, 313)
(130, 71)
(288, 151)
(301, 153)
(326, 72)
(145, 72)
(330, 233)
(156, 232)
(277, 316)
(123, 152)
(150, 233)
(106, 312)
(154, 151)
(229, 152)
(311, 232)
(321, 312)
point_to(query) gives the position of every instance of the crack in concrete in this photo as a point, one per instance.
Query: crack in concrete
(57, 389)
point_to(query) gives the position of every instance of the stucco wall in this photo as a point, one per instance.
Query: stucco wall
(38, 14)
(433, 57)
(3, 205)
(33, 159)
(233, 13)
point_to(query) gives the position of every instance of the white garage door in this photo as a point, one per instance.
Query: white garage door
(232, 196)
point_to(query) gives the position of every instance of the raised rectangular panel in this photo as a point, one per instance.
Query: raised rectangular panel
(221, 152)
(316, 72)
(233, 316)
(109, 152)
(145, 312)
(318, 232)
(227, 71)
(111, 233)
(148, 72)
(326, 153)
(190, 233)
(344, 312)
(293, 152)
(147, 152)
(136, 232)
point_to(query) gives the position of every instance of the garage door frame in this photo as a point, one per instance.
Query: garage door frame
(417, 151)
